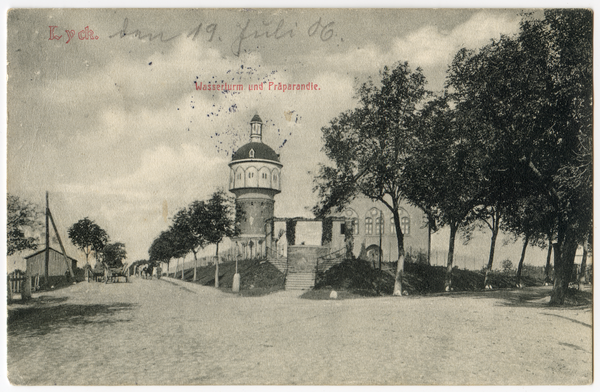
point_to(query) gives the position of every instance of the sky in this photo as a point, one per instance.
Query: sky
(115, 130)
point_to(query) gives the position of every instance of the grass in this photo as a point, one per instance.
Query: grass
(357, 277)
(257, 277)
(351, 279)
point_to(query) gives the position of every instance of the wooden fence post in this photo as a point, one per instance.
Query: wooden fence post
(26, 290)
(9, 288)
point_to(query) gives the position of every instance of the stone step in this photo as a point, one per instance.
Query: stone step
(299, 281)
(280, 264)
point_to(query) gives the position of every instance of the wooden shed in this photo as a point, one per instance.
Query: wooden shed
(56, 264)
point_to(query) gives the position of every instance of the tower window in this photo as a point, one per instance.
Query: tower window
(251, 153)
(264, 176)
(250, 175)
(239, 176)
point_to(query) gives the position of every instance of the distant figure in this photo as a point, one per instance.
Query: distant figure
(144, 272)
(150, 270)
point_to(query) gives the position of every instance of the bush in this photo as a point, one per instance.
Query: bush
(507, 266)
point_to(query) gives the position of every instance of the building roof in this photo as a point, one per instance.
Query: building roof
(43, 250)
(256, 118)
(261, 151)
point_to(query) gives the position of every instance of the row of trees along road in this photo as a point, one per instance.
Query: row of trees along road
(196, 226)
(89, 237)
(508, 143)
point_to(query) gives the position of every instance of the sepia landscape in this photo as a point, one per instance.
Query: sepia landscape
(299, 197)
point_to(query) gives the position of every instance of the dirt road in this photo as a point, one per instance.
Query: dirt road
(160, 332)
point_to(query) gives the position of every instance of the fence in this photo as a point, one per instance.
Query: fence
(16, 282)
(474, 263)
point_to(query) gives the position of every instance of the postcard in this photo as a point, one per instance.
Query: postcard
(299, 197)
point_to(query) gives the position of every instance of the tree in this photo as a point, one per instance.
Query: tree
(369, 146)
(100, 239)
(114, 254)
(507, 266)
(190, 226)
(165, 247)
(222, 221)
(22, 220)
(87, 236)
(444, 171)
(533, 92)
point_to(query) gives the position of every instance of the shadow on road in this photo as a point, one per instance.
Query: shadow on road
(50, 314)
(531, 297)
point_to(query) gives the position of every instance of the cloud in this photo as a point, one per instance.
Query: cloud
(433, 49)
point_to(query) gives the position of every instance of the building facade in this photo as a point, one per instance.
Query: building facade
(374, 230)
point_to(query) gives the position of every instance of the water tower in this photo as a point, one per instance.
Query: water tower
(255, 179)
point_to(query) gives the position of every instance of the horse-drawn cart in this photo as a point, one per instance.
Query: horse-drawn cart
(114, 273)
(95, 274)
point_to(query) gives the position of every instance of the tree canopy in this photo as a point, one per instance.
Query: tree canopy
(531, 94)
(509, 139)
(87, 236)
(23, 220)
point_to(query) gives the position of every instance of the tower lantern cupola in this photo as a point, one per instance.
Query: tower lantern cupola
(256, 129)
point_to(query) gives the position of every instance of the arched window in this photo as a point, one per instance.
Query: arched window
(355, 223)
(405, 225)
(374, 214)
(250, 175)
(368, 225)
(379, 225)
(392, 226)
(251, 153)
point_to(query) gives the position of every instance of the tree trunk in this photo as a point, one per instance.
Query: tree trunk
(564, 256)
(400, 264)
(582, 276)
(520, 267)
(217, 268)
(548, 259)
(495, 228)
(453, 230)
(182, 267)
(195, 266)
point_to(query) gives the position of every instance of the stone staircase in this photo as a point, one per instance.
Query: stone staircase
(300, 281)
(279, 263)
